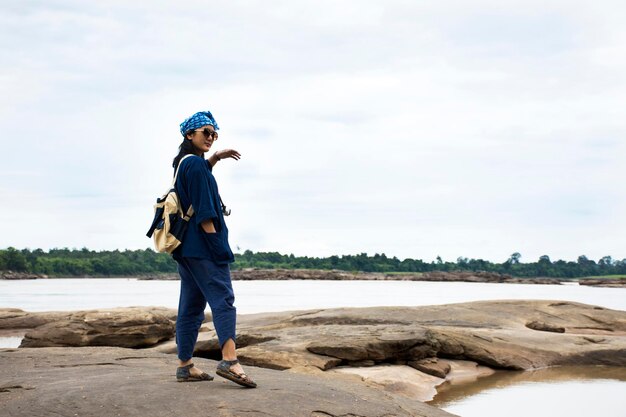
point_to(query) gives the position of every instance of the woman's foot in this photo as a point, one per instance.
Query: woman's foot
(190, 373)
(232, 370)
(237, 368)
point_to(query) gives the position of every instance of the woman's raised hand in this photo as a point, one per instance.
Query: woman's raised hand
(227, 153)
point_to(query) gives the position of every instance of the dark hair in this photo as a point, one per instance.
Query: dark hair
(185, 148)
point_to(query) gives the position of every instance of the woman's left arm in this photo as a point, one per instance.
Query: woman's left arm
(224, 153)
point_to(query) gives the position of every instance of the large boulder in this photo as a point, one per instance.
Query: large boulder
(375, 343)
(14, 318)
(132, 327)
(513, 334)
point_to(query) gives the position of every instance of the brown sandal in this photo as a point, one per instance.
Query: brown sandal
(223, 370)
(183, 374)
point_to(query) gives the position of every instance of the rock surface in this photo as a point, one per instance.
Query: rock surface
(381, 341)
(249, 274)
(432, 366)
(123, 327)
(610, 283)
(11, 275)
(491, 333)
(124, 382)
(513, 334)
(409, 382)
(456, 276)
(395, 379)
(482, 276)
(14, 318)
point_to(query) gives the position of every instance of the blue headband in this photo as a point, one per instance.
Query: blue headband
(202, 118)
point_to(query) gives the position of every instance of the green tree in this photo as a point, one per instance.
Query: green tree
(14, 260)
(514, 258)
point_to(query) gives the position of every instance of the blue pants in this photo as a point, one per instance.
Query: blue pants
(202, 281)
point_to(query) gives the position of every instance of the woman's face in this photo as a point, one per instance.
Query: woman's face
(203, 137)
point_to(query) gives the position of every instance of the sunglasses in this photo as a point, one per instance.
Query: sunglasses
(207, 133)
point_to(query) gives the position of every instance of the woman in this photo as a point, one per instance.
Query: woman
(204, 256)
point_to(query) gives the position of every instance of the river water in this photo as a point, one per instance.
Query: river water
(564, 392)
(266, 296)
(559, 391)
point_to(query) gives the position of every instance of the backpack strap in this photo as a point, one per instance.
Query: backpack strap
(178, 167)
(190, 211)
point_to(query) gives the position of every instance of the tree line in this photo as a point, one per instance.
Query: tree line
(84, 262)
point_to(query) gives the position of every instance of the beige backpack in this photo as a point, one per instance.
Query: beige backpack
(170, 223)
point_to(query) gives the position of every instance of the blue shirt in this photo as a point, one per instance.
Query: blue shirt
(196, 185)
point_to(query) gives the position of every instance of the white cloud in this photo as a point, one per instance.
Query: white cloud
(414, 129)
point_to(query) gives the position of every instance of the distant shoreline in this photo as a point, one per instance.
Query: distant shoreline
(256, 274)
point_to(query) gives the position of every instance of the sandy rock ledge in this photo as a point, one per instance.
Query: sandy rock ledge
(125, 382)
(333, 361)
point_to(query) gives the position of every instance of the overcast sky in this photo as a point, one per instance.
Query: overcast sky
(413, 128)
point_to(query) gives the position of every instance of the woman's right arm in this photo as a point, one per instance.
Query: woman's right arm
(223, 154)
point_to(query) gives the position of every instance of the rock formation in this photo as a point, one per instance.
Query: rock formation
(12, 275)
(513, 334)
(254, 274)
(126, 382)
(604, 282)
(358, 343)
(124, 327)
